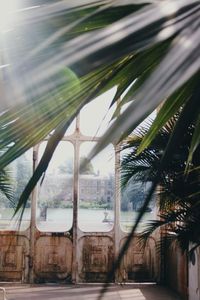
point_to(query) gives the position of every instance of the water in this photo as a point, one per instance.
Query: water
(57, 219)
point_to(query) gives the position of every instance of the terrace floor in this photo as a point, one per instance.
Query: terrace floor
(87, 292)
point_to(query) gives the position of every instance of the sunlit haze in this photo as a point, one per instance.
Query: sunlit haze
(7, 16)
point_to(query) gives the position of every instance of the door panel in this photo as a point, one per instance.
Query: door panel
(133, 264)
(13, 254)
(53, 259)
(96, 255)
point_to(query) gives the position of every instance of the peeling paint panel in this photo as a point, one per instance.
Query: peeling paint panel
(53, 260)
(12, 257)
(96, 258)
(133, 267)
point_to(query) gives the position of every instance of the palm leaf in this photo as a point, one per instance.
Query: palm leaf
(166, 112)
(6, 185)
(195, 142)
(165, 80)
(100, 53)
(22, 127)
(135, 25)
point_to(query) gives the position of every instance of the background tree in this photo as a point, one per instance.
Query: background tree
(22, 171)
(67, 166)
(87, 168)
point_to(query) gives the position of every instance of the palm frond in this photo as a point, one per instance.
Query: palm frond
(178, 191)
(6, 185)
(149, 47)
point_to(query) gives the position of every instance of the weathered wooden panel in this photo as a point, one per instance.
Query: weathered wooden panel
(13, 250)
(96, 258)
(133, 267)
(53, 259)
(176, 269)
(11, 263)
(152, 260)
(11, 258)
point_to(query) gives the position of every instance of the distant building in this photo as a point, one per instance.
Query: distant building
(96, 188)
(59, 188)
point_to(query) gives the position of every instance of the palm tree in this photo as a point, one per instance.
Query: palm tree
(80, 50)
(178, 191)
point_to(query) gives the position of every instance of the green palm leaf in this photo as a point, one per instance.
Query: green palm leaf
(106, 44)
(6, 186)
